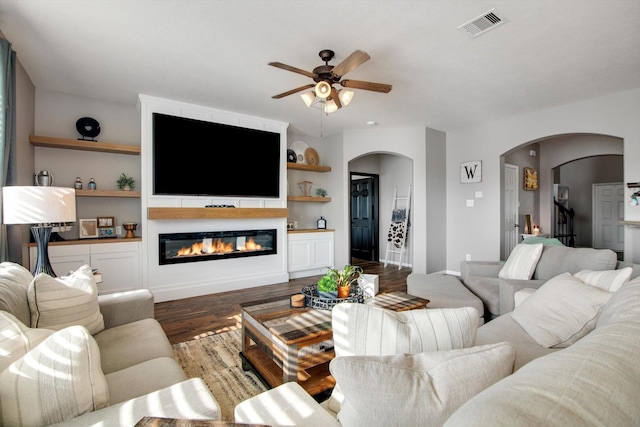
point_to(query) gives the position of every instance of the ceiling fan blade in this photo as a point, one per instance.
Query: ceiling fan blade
(350, 62)
(358, 84)
(293, 69)
(335, 97)
(292, 91)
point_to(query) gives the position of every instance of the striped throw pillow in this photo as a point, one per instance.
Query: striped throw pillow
(59, 379)
(57, 303)
(521, 262)
(609, 280)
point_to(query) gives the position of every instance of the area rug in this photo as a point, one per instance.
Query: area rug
(215, 359)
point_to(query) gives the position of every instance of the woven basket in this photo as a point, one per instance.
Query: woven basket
(312, 300)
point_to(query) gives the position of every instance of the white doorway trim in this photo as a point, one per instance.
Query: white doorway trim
(511, 214)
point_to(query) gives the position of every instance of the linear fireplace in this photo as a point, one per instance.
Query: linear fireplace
(178, 248)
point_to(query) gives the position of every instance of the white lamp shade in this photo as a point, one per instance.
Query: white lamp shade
(38, 205)
(308, 98)
(330, 106)
(323, 89)
(346, 96)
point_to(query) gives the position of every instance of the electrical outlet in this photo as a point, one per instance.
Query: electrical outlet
(468, 257)
(118, 229)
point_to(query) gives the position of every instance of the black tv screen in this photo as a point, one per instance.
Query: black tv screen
(199, 158)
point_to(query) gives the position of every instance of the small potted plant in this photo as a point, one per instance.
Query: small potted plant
(125, 182)
(338, 282)
(321, 192)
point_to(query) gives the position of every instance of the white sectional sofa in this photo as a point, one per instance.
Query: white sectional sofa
(589, 376)
(108, 349)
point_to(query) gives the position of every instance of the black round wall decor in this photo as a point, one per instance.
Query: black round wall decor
(291, 156)
(88, 127)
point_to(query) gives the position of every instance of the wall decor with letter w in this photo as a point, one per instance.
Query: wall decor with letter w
(471, 172)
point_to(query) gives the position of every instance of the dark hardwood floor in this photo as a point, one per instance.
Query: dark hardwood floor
(189, 318)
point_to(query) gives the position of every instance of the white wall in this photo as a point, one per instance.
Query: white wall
(476, 230)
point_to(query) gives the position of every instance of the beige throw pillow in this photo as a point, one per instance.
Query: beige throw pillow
(59, 379)
(14, 282)
(16, 339)
(57, 303)
(609, 280)
(361, 329)
(521, 262)
(433, 385)
(561, 311)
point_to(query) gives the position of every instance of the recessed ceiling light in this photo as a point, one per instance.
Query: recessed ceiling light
(371, 123)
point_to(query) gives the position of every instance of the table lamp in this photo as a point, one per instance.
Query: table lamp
(42, 207)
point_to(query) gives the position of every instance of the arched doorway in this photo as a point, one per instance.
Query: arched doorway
(547, 154)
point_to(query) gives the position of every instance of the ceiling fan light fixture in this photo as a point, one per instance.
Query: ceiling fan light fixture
(346, 96)
(308, 98)
(323, 89)
(330, 106)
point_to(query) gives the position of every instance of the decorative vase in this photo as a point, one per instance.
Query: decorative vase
(126, 188)
(343, 291)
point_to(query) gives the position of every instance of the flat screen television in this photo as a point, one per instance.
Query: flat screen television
(200, 158)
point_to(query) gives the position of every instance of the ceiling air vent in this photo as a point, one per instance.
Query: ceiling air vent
(483, 23)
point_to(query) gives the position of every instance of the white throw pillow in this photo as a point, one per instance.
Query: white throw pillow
(16, 339)
(433, 385)
(59, 303)
(609, 280)
(561, 311)
(14, 282)
(521, 262)
(361, 329)
(59, 379)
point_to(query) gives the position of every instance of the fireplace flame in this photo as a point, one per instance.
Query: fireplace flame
(216, 246)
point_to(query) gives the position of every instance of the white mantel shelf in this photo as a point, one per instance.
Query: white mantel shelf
(215, 213)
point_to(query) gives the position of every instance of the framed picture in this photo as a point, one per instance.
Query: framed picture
(106, 232)
(105, 221)
(88, 228)
(530, 179)
(471, 172)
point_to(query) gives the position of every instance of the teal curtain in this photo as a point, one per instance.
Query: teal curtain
(7, 130)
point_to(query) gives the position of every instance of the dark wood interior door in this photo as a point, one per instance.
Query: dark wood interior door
(364, 221)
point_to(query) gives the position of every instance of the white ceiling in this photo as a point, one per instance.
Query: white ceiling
(215, 53)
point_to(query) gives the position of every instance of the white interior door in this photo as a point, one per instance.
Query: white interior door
(608, 211)
(511, 208)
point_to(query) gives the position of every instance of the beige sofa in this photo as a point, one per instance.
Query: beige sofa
(594, 381)
(481, 277)
(137, 370)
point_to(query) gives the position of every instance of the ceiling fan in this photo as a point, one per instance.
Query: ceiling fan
(325, 76)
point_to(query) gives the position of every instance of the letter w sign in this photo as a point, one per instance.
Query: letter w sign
(471, 172)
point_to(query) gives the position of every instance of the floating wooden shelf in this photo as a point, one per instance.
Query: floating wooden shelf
(216, 213)
(308, 199)
(310, 168)
(630, 223)
(107, 193)
(75, 144)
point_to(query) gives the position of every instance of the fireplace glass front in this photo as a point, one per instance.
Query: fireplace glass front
(214, 245)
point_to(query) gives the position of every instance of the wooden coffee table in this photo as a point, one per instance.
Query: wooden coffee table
(283, 344)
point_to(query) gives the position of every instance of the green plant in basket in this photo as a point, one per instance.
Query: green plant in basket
(327, 283)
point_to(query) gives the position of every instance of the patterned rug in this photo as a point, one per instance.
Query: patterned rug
(216, 359)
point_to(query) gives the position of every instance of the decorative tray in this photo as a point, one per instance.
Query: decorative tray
(312, 300)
